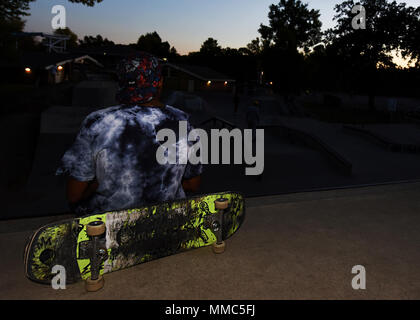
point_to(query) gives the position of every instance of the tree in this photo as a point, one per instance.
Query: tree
(411, 38)
(151, 42)
(11, 12)
(72, 42)
(89, 3)
(98, 41)
(211, 47)
(173, 54)
(291, 26)
(255, 47)
(14, 9)
(387, 25)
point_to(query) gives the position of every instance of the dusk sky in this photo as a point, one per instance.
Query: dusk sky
(185, 24)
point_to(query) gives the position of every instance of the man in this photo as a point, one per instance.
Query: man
(253, 116)
(252, 120)
(112, 164)
(236, 100)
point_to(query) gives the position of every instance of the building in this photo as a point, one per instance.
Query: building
(53, 68)
(182, 77)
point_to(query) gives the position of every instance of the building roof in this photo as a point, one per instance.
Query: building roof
(200, 72)
(49, 60)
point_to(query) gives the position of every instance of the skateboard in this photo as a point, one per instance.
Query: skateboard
(91, 246)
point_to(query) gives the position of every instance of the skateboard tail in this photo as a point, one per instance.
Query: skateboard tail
(50, 246)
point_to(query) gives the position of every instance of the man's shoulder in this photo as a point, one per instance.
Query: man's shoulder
(98, 115)
(177, 113)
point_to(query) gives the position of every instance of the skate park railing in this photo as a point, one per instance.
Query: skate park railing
(311, 140)
(381, 140)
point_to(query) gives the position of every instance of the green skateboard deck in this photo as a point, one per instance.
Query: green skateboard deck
(131, 237)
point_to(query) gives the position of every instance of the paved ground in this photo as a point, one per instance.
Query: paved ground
(300, 246)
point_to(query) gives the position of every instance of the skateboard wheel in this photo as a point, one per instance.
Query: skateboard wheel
(95, 228)
(94, 285)
(219, 247)
(221, 204)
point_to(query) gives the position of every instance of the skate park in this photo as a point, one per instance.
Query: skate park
(301, 153)
(330, 198)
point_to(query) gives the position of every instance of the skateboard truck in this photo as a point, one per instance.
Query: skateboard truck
(215, 223)
(95, 250)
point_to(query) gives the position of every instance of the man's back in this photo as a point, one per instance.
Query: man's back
(117, 147)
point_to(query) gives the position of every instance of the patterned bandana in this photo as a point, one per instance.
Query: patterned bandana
(139, 78)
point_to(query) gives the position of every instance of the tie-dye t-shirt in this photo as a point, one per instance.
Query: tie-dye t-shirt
(117, 147)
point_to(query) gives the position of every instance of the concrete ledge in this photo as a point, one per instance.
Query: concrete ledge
(381, 140)
(332, 193)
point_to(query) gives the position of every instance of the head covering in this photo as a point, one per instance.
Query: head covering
(138, 77)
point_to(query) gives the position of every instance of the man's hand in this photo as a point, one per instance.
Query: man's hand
(79, 190)
(192, 185)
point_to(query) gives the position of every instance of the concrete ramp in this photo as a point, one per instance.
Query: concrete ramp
(393, 137)
(63, 120)
(44, 193)
(95, 94)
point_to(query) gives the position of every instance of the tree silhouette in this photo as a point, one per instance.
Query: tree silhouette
(89, 3)
(367, 49)
(72, 42)
(411, 37)
(291, 26)
(14, 9)
(211, 47)
(98, 41)
(151, 42)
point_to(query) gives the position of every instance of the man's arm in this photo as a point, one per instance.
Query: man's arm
(192, 185)
(80, 190)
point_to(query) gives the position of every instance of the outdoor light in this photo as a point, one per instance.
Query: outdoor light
(226, 83)
(271, 83)
(59, 68)
(28, 70)
(208, 83)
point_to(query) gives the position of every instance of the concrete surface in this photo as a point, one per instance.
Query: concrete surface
(300, 246)
(95, 94)
(399, 133)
